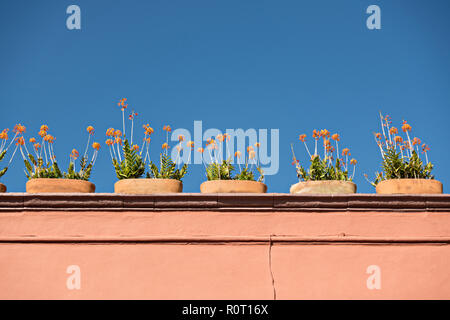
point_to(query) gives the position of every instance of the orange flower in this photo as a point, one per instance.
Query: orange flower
(109, 142)
(302, 137)
(36, 146)
(32, 140)
(165, 146)
(167, 128)
(18, 128)
(237, 154)
(416, 141)
(132, 115)
(20, 141)
(74, 154)
(180, 138)
(117, 133)
(42, 133)
(118, 140)
(345, 151)
(201, 150)
(257, 144)
(378, 135)
(406, 126)
(393, 130)
(316, 134)
(96, 146)
(90, 130)
(136, 147)
(110, 132)
(147, 139)
(425, 148)
(190, 144)
(220, 137)
(249, 148)
(324, 133)
(49, 138)
(398, 139)
(44, 128)
(353, 161)
(4, 134)
(335, 137)
(148, 129)
(251, 154)
(122, 104)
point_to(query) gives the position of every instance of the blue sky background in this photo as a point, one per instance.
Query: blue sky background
(292, 65)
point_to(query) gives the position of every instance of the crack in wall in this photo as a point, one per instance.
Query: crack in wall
(270, 269)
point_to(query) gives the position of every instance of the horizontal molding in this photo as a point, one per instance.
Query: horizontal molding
(343, 239)
(222, 202)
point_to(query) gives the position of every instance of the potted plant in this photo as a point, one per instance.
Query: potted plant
(219, 172)
(4, 146)
(326, 175)
(130, 161)
(403, 171)
(42, 169)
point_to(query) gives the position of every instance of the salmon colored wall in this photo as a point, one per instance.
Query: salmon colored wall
(244, 253)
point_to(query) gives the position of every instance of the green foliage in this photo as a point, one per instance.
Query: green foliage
(37, 169)
(2, 156)
(83, 174)
(132, 165)
(397, 167)
(220, 171)
(323, 170)
(224, 171)
(167, 169)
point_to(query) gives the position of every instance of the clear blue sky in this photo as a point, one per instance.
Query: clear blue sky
(290, 65)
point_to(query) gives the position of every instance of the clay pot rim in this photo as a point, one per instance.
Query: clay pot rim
(149, 179)
(58, 179)
(2, 186)
(319, 181)
(233, 180)
(232, 184)
(409, 179)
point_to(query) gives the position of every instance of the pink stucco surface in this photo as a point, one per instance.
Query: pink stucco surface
(245, 253)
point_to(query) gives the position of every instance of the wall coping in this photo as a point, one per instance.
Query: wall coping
(223, 202)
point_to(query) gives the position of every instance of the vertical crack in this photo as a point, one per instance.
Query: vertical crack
(270, 268)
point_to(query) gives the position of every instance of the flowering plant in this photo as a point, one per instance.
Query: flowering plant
(332, 166)
(221, 169)
(42, 163)
(400, 156)
(4, 146)
(129, 160)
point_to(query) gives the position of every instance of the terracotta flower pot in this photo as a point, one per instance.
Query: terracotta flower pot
(148, 186)
(324, 187)
(405, 186)
(2, 188)
(233, 186)
(48, 185)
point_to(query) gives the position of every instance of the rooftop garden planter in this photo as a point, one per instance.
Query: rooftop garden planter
(409, 186)
(403, 170)
(130, 160)
(42, 169)
(148, 186)
(326, 175)
(219, 171)
(51, 185)
(233, 186)
(324, 187)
